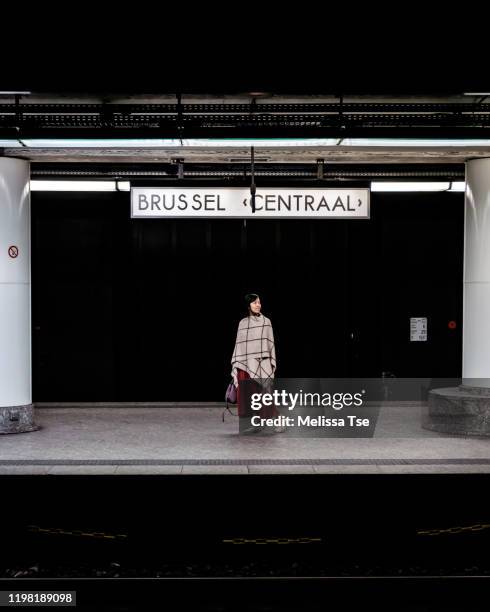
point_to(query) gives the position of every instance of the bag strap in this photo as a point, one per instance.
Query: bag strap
(227, 408)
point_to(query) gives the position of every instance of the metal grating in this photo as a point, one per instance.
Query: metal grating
(306, 173)
(29, 120)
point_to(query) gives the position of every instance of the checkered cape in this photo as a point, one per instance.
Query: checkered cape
(254, 351)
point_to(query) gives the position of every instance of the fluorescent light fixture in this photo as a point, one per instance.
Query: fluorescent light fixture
(73, 186)
(172, 142)
(260, 142)
(382, 186)
(10, 144)
(478, 93)
(14, 93)
(126, 186)
(246, 143)
(62, 143)
(452, 186)
(412, 142)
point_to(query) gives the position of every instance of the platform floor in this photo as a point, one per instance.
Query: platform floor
(194, 440)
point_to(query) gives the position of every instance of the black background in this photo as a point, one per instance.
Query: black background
(147, 309)
(212, 49)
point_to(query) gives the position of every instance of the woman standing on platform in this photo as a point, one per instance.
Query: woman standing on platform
(254, 356)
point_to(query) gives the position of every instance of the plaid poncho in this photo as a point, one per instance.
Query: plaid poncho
(254, 351)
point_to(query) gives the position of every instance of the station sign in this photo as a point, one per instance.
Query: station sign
(229, 203)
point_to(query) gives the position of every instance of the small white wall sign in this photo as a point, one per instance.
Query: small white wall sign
(418, 329)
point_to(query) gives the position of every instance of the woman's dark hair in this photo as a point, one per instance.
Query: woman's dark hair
(249, 298)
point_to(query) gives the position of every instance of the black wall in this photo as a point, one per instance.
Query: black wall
(147, 309)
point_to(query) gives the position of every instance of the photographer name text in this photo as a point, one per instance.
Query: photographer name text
(308, 421)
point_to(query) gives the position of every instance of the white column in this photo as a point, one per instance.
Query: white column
(16, 409)
(476, 291)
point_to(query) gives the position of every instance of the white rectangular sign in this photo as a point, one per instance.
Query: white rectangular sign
(418, 329)
(234, 202)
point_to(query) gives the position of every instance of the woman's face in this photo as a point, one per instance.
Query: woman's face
(255, 306)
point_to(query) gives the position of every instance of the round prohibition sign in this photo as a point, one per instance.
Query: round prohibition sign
(13, 251)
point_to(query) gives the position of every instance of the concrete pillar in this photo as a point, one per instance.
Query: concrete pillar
(16, 408)
(466, 409)
(476, 304)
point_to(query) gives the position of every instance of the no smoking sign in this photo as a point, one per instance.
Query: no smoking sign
(13, 251)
